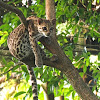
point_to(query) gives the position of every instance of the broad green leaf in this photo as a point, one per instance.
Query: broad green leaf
(24, 68)
(19, 93)
(73, 94)
(76, 19)
(27, 78)
(8, 75)
(84, 68)
(41, 96)
(81, 74)
(16, 67)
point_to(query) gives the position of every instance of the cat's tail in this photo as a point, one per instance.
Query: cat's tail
(33, 82)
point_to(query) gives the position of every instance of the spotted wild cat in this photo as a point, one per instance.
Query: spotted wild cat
(22, 43)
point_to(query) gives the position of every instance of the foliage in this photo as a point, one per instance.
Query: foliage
(3, 36)
(73, 21)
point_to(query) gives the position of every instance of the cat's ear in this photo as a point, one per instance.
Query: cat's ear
(40, 21)
(53, 21)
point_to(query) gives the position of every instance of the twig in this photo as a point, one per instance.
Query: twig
(5, 53)
(82, 4)
(11, 69)
(88, 27)
(15, 10)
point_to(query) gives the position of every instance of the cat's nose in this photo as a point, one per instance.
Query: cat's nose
(48, 34)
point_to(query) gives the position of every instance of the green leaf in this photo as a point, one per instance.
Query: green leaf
(24, 68)
(76, 19)
(15, 68)
(8, 75)
(30, 91)
(81, 23)
(73, 94)
(81, 74)
(25, 97)
(3, 37)
(19, 93)
(84, 68)
(41, 96)
(27, 78)
(99, 56)
(98, 1)
(4, 61)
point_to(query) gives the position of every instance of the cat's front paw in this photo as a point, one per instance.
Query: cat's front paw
(48, 40)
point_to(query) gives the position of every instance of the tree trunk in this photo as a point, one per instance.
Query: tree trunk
(50, 12)
(64, 64)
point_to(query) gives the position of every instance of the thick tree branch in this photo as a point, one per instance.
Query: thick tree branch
(5, 53)
(16, 11)
(29, 60)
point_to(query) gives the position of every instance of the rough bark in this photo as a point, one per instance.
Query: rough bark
(50, 12)
(5, 53)
(63, 63)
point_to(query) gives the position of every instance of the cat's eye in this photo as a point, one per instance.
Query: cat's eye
(51, 29)
(44, 28)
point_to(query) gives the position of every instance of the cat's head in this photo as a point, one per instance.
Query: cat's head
(46, 27)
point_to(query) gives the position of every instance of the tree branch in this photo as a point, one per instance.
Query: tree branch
(5, 53)
(16, 11)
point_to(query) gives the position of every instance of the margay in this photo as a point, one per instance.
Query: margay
(22, 43)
